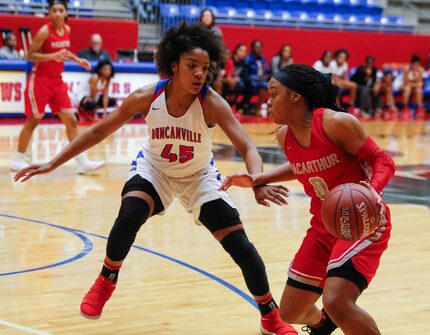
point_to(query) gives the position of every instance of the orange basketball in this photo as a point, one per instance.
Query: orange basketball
(350, 212)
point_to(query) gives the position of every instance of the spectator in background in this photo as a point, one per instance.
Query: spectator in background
(323, 64)
(339, 70)
(282, 58)
(235, 72)
(412, 84)
(384, 88)
(95, 51)
(98, 89)
(256, 81)
(8, 51)
(207, 18)
(365, 78)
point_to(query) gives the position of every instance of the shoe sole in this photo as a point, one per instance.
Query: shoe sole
(89, 317)
(265, 332)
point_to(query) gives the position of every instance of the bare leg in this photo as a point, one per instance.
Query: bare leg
(69, 120)
(298, 306)
(26, 132)
(418, 96)
(406, 94)
(339, 300)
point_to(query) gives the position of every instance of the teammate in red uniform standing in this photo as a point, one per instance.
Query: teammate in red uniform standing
(48, 51)
(324, 148)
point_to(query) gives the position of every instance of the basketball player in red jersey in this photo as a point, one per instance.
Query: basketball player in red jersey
(324, 148)
(48, 50)
(177, 161)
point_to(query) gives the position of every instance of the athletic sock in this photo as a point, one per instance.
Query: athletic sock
(267, 305)
(110, 272)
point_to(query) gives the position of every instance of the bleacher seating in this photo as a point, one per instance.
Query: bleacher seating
(320, 14)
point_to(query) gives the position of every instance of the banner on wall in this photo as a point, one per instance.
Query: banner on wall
(12, 85)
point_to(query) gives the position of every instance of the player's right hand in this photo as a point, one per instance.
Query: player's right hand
(238, 179)
(61, 56)
(32, 170)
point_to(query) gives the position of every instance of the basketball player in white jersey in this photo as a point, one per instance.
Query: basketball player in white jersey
(177, 161)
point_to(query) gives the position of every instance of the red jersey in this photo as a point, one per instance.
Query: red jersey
(53, 44)
(321, 166)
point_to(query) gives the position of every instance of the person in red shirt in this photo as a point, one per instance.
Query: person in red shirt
(234, 73)
(48, 50)
(324, 148)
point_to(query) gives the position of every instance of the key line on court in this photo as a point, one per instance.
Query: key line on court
(88, 246)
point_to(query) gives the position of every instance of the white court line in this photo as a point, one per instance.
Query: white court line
(26, 329)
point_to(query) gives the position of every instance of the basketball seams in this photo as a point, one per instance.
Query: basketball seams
(357, 225)
(337, 226)
(326, 201)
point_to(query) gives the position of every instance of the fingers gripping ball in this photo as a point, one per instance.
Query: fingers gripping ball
(350, 212)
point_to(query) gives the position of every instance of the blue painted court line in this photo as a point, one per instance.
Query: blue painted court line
(88, 246)
(80, 233)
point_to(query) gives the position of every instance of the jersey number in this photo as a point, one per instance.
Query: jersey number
(320, 187)
(186, 153)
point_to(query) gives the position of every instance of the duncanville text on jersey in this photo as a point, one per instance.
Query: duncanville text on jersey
(178, 133)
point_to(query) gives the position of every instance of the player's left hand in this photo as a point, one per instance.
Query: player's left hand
(237, 179)
(33, 170)
(273, 193)
(85, 63)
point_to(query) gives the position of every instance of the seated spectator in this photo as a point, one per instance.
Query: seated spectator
(323, 64)
(235, 71)
(207, 18)
(95, 51)
(282, 58)
(412, 84)
(8, 51)
(255, 81)
(384, 88)
(339, 69)
(98, 89)
(365, 78)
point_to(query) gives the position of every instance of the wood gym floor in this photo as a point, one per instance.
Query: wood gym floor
(177, 279)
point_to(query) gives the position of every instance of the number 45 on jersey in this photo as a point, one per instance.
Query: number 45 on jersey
(186, 153)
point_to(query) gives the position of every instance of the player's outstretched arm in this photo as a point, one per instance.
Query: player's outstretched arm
(219, 111)
(138, 101)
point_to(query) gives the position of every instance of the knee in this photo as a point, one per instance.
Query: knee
(336, 305)
(32, 122)
(134, 211)
(71, 123)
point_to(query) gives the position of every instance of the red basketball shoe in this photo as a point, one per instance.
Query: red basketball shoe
(96, 297)
(271, 324)
(405, 114)
(420, 114)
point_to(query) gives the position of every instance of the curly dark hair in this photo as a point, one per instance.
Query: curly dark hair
(98, 68)
(186, 37)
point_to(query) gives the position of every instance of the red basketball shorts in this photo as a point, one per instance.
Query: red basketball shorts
(42, 90)
(321, 252)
